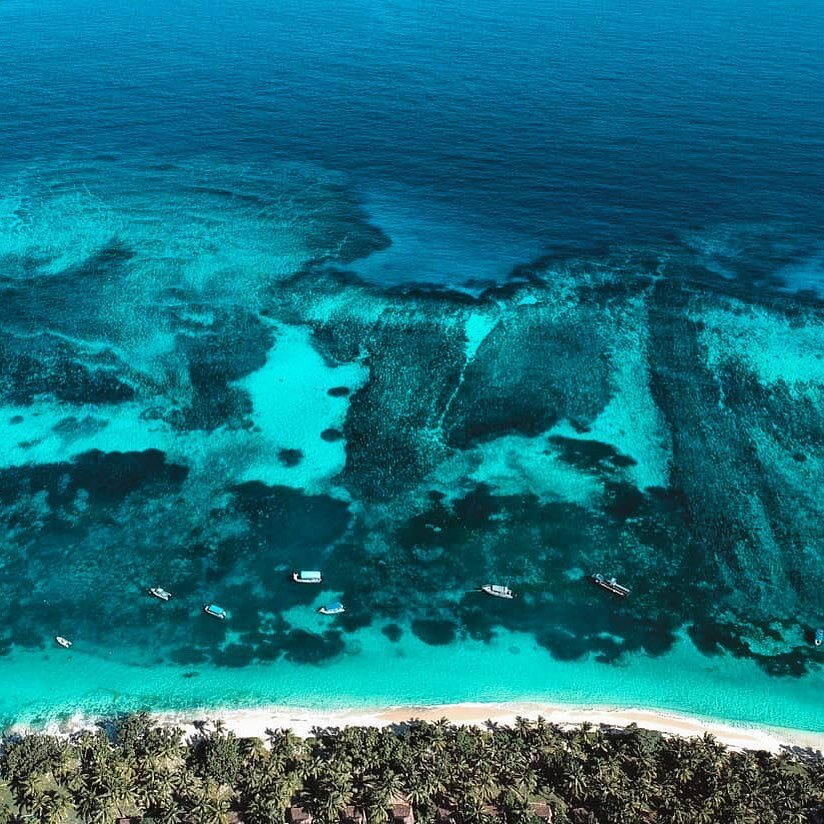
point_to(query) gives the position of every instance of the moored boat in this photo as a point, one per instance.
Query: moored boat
(307, 576)
(818, 640)
(159, 592)
(215, 611)
(62, 642)
(611, 585)
(498, 591)
(335, 608)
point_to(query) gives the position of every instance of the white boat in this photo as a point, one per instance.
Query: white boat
(611, 585)
(307, 576)
(215, 611)
(62, 642)
(335, 608)
(160, 593)
(497, 591)
(819, 637)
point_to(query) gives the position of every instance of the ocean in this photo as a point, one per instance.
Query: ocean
(424, 297)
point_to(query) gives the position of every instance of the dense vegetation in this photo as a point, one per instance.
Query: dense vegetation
(134, 768)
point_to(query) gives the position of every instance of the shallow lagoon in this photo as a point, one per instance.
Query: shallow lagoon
(610, 414)
(219, 365)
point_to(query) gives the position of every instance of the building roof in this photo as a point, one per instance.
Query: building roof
(401, 813)
(541, 810)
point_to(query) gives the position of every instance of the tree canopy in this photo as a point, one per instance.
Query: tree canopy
(133, 768)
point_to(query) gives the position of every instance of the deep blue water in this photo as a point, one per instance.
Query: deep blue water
(559, 126)
(427, 297)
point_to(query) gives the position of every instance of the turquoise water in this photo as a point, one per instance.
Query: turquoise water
(424, 301)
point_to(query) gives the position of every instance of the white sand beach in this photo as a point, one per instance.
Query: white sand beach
(255, 722)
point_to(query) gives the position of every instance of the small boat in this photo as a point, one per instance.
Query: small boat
(62, 642)
(215, 611)
(335, 608)
(611, 585)
(160, 593)
(497, 591)
(307, 576)
(819, 637)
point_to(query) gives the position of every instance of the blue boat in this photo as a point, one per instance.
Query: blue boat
(819, 636)
(215, 611)
(335, 608)
(307, 576)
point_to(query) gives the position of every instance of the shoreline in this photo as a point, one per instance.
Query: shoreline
(301, 720)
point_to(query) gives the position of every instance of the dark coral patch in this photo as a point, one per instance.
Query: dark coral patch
(393, 632)
(232, 346)
(26, 373)
(338, 391)
(529, 373)
(623, 500)
(234, 655)
(310, 648)
(587, 454)
(290, 457)
(331, 435)
(435, 632)
(106, 477)
(414, 367)
(287, 527)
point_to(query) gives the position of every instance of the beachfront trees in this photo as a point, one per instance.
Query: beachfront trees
(216, 755)
(586, 776)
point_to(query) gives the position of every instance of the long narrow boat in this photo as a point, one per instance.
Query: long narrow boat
(498, 591)
(62, 642)
(818, 640)
(611, 585)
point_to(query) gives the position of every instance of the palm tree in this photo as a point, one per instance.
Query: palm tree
(58, 806)
(332, 802)
(575, 781)
(439, 734)
(263, 808)
(254, 752)
(327, 794)
(211, 803)
(29, 792)
(168, 814)
(167, 743)
(155, 785)
(420, 788)
(93, 807)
